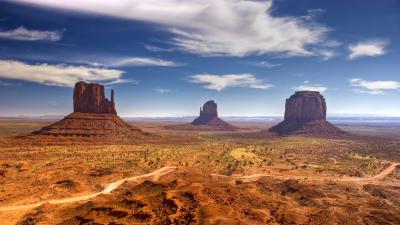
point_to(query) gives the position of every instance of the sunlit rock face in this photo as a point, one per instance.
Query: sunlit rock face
(305, 106)
(94, 115)
(90, 98)
(305, 113)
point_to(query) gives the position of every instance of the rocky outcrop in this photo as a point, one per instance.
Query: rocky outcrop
(305, 113)
(93, 116)
(209, 118)
(207, 121)
(92, 125)
(305, 106)
(90, 98)
(207, 113)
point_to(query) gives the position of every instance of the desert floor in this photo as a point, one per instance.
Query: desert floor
(248, 176)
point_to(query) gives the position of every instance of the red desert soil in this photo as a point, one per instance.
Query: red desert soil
(164, 170)
(200, 178)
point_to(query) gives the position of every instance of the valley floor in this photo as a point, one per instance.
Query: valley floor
(241, 177)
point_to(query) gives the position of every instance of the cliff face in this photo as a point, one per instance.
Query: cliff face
(94, 116)
(207, 121)
(208, 112)
(305, 106)
(90, 98)
(305, 113)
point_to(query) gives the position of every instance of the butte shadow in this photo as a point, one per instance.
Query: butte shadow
(305, 114)
(208, 120)
(94, 116)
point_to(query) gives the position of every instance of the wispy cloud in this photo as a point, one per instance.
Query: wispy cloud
(266, 64)
(326, 54)
(368, 48)
(220, 82)
(215, 27)
(140, 61)
(23, 34)
(121, 81)
(97, 60)
(162, 90)
(57, 75)
(374, 87)
(153, 48)
(306, 86)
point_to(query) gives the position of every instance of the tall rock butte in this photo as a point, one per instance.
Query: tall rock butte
(207, 121)
(207, 113)
(94, 115)
(89, 98)
(305, 113)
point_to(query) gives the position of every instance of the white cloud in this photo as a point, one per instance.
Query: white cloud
(141, 61)
(214, 27)
(367, 48)
(23, 34)
(220, 82)
(57, 75)
(153, 48)
(374, 87)
(266, 64)
(326, 53)
(121, 81)
(311, 87)
(162, 90)
(103, 60)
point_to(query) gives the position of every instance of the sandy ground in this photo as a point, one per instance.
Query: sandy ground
(245, 177)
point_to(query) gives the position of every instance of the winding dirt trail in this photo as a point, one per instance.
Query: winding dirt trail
(379, 176)
(107, 190)
(255, 177)
(165, 170)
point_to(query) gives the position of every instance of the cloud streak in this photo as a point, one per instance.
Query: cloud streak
(141, 61)
(266, 64)
(58, 75)
(374, 87)
(23, 34)
(311, 87)
(367, 48)
(214, 27)
(221, 82)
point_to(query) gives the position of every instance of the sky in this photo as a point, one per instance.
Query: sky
(166, 58)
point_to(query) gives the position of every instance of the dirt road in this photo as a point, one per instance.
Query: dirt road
(165, 170)
(254, 177)
(108, 189)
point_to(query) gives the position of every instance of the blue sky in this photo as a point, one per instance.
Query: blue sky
(166, 58)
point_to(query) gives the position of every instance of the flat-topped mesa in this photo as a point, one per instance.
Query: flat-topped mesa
(305, 106)
(90, 98)
(305, 113)
(208, 112)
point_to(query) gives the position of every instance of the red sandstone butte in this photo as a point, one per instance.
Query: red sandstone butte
(89, 98)
(94, 115)
(305, 113)
(210, 120)
(207, 113)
